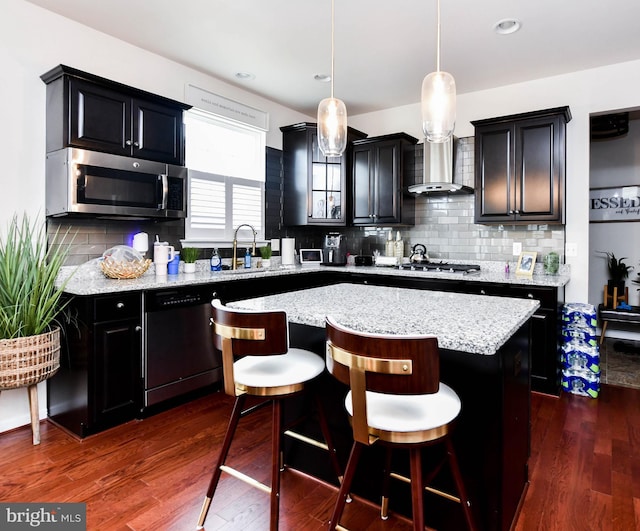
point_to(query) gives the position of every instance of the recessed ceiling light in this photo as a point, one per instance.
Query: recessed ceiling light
(322, 78)
(245, 76)
(506, 26)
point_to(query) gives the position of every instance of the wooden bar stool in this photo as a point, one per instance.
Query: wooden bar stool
(257, 361)
(395, 400)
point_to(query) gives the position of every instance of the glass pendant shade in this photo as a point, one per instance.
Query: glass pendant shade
(438, 106)
(332, 127)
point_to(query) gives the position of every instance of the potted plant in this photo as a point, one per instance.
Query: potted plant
(31, 301)
(265, 253)
(618, 271)
(190, 255)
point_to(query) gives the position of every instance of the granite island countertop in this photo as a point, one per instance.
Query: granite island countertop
(88, 279)
(476, 324)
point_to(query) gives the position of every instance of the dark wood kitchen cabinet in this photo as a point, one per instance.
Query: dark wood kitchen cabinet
(520, 167)
(315, 186)
(378, 181)
(99, 383)
(90, 112)
(545, 366)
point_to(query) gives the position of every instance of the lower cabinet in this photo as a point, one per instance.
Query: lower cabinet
(545, 368)
(99, 382)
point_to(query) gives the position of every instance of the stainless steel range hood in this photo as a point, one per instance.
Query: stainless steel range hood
(438, 171)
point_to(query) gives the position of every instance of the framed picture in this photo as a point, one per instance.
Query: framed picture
(526, 263)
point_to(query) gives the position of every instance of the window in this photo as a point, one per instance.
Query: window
(226, 162)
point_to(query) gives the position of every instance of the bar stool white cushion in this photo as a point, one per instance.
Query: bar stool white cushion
(296, 366)
(410, 413)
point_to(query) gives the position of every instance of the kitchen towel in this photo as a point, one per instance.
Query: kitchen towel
(288, 251)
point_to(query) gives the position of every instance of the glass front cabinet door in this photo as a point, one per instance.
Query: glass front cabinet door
(314, 186)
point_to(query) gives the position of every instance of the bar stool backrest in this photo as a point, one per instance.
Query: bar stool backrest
(381, 356)
(239, 333)
(405, 365)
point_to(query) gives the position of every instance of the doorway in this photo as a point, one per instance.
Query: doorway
(615, 167)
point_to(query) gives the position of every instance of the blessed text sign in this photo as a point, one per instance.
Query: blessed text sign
(614, 204)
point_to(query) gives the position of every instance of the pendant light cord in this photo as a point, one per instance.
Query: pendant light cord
(438, 40)
(332, 42)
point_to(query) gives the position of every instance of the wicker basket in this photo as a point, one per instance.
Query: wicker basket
(29, 360)
(122, 270)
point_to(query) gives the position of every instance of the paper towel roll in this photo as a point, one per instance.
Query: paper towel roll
(288, 251)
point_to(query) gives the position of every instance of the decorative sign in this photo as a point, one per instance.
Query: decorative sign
(614, 204)
(210, 102)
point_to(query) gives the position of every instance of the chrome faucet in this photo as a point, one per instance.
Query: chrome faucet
(235, 244)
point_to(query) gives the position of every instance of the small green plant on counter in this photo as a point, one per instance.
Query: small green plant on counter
(189, 254)
(265, 252)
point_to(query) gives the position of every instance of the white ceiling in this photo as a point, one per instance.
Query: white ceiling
(384, 48)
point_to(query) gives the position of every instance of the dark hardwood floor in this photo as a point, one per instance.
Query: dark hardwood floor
(152, 474)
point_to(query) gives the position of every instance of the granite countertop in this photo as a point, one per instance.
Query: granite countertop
(476, 324)
(88, 279)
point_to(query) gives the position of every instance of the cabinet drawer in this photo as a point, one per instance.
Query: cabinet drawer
(547, 297)
(121, 306)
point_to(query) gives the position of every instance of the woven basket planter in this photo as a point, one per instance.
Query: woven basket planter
(27, 361)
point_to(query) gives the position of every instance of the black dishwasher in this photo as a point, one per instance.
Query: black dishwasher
(179, 356)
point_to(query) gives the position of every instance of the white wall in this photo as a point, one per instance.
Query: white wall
(32, 41)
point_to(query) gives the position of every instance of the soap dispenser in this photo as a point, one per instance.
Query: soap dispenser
(247, 259)
(216, 261)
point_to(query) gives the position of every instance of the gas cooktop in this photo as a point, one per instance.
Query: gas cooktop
(442, 267)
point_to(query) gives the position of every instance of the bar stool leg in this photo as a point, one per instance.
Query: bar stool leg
(384, 505)
(276, 439)
(349, 473)
(226, 444)
(326, 433)
(417, 488)
(462, 493)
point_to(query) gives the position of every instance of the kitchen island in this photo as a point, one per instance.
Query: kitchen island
(485, 357)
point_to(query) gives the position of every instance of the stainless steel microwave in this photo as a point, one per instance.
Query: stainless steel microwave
(90, 183)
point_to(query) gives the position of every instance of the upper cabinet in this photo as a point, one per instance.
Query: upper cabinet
(378, 181)
(520, 167)
(315, 187)
(91, 112)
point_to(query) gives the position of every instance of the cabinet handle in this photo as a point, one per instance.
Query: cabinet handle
(516, 212)
(530, 295)
(136, 144)
(138, 328)
(120, 305)
(128, 142)
(483, 292)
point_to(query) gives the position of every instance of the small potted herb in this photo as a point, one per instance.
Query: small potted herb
(189, 256)
(265, 253)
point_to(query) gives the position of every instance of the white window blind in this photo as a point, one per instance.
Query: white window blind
(226, 162)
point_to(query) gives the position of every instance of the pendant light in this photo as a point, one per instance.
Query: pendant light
(332, 115)
(438, 100)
